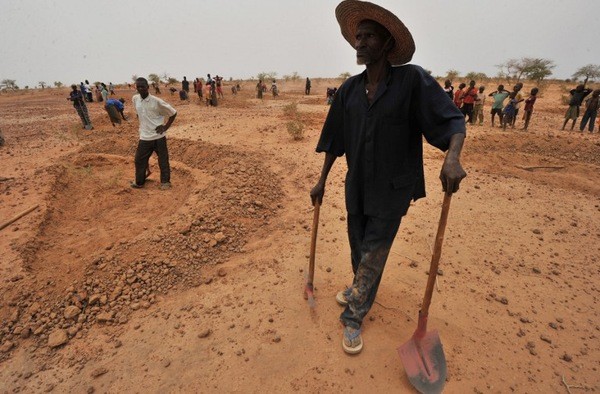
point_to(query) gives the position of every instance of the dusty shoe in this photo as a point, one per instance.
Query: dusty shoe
(165, 186)
(352, 341)
(341, 297)
(136, 186)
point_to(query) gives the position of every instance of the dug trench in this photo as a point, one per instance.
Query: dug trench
(104, 250)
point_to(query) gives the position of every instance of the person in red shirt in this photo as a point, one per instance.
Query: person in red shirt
(469, 97)
(458, 95)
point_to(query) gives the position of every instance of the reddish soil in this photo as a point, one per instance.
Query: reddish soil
(199, 288)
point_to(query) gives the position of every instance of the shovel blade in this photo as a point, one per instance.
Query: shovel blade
(424, 362)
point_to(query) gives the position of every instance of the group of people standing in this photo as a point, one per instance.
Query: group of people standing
(591, 108)
(471, 100)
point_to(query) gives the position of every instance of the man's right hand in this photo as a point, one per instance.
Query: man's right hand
(317, 193)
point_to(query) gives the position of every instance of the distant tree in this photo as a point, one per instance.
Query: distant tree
(474, 76)
(452, 74)
(165, 78)
(510, 69)
(9, 84)
(58, 84)
(345, 75)
(26, 87)
(537, 69)
(172, 81)
(265, 76)
(134, 77)
(589, 72)
(42, 84)
(154, 78)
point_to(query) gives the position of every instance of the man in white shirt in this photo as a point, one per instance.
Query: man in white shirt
(151, 112)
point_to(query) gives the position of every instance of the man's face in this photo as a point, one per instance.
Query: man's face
(370, 43)
(142, 88)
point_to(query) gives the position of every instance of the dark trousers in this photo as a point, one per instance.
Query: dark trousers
(588, 116)
(467, 110)
(142, 155)
(370, 242)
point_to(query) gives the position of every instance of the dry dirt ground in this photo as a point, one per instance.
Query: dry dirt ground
(199, 288)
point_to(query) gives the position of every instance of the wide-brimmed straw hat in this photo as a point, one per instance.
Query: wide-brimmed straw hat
(350, 13)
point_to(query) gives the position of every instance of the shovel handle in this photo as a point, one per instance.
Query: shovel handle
(313, 244)
(437, 253)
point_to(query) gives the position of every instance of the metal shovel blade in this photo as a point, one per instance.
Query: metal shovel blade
(424, 360)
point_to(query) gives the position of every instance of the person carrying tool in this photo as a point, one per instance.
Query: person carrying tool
(377, 119)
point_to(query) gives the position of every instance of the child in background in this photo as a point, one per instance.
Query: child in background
(499, 96)
(478, 108)
(459, 95)
(509, 111)
(529, 106)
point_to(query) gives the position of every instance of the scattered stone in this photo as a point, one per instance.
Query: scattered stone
(328, 269)
(553, 325)
(6, 347)
(545, 338)
(25, 333)
(536, 270)
(525, 320)
(57, 338)
(204, 333)
(277, 339)
(166, 363)
(413, 264)
(536, 231)
(98, 372)
(105, 316)
(220, 237)
(567, 357)
(71, 312)
(502, 300)
(221, 272)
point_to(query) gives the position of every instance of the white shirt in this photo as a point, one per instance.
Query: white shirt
(151, 114)
(480, 98)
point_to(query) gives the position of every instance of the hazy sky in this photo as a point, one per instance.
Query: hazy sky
(73, 40)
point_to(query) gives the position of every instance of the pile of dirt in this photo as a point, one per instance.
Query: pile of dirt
(83, 278)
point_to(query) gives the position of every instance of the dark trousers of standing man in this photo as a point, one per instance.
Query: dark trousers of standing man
(370, 242)
(142, 155)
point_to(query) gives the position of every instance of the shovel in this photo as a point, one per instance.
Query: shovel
(423, 355)
(309, 289)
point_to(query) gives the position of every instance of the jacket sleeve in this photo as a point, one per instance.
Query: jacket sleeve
(436, 116)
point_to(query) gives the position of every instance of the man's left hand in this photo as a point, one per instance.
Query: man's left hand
(160, 129)
(451, 175)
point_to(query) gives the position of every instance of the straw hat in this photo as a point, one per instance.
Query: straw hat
(350, 13)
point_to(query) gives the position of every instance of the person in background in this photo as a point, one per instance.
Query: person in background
(185, 85)
(577, 96)
(459, 95)
(88, 92)
(528, 110)
(469, 97)
(499, 96)
(478, 107)
(591, 111)
(519, 97)
(114, 109)
(103, 92)
(307, 87)
(508, 113)
(76, 97)
(449, 89)
(259, 89)
(111, 89)
(198, 85)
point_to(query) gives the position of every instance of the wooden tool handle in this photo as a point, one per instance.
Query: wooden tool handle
(437, 253)
(313, 243)
(17, 217)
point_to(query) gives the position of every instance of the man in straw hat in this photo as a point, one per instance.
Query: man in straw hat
(377, 120)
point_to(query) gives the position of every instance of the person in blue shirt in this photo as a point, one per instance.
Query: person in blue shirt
(114, 109)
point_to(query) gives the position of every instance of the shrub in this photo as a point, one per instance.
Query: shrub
(296, 129)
